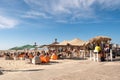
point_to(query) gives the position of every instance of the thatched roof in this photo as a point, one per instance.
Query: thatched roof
(77, 42)
(64, 42)
(99, 39)
(86, 43)
(74, 42)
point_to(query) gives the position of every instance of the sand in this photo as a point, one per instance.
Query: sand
(60, 70)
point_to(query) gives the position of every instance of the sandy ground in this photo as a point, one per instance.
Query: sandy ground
(60, 70)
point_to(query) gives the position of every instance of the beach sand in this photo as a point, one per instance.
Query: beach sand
(60, 70)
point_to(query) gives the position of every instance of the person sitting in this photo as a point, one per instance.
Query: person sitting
(54, 56)
(36, 59)
(46, 58)
(107, 52)
(30, 57)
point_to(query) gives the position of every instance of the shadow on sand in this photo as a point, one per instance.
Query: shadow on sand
(77, 58)
(21, 70)
(50, 63)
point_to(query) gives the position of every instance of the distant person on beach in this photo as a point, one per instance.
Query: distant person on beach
(107, 51)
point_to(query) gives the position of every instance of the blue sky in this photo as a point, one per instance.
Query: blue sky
(28, 21)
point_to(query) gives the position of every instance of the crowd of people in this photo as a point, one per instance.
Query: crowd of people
(43, 56)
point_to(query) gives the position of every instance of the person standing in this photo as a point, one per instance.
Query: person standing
(97, 51)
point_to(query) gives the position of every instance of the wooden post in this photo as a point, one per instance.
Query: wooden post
(90, 54)
(84, 53)
(111, 55)
(94, 55)
(97, 57)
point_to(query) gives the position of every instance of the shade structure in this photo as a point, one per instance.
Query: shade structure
(86, 43)
(77, 42)
(74, 42)
(98, 39)
(65, 42)
(23, 47)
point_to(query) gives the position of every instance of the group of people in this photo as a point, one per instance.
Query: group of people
(34, 57)
(44, 56)
(103, 52)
